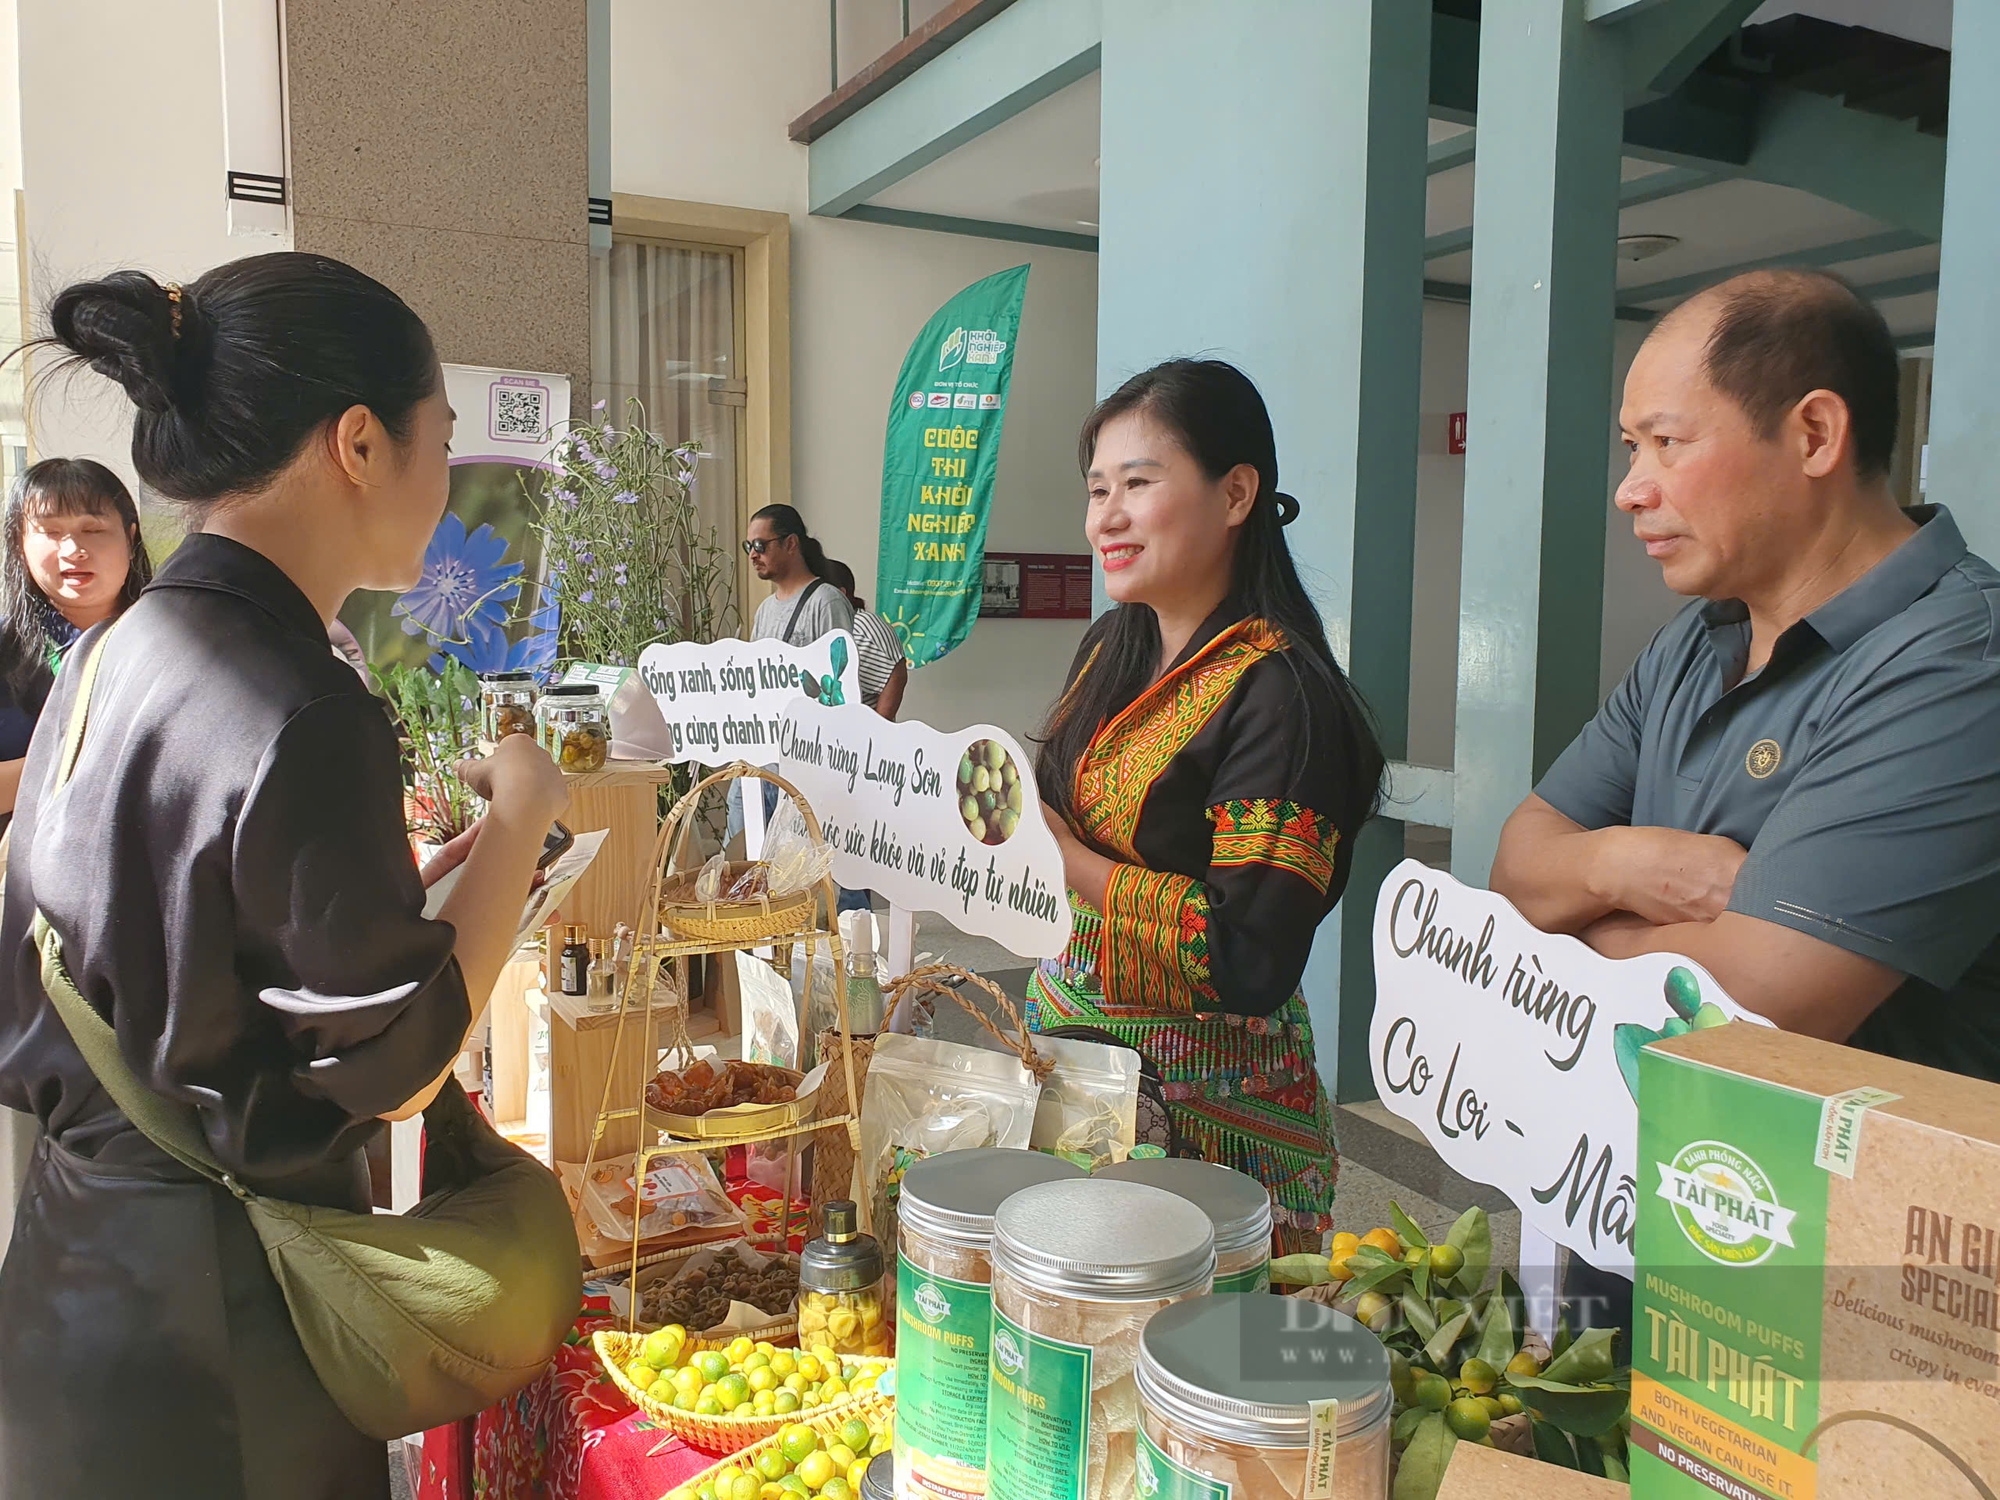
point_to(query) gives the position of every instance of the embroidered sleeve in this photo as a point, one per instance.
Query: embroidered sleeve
(1274, 832)
(1155, 946)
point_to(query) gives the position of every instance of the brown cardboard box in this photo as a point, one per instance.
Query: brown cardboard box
(1478, 1473)
(1818, 1298)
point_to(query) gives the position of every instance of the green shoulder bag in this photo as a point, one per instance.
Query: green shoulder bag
(410, 1320)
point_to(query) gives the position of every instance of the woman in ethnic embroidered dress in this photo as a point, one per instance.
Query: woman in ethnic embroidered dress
(1205, 772)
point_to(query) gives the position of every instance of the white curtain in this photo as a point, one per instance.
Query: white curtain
(663, 327)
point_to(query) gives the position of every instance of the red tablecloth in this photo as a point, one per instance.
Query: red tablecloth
(572, 1434)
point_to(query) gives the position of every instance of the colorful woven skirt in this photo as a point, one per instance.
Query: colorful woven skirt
(1245, 1090)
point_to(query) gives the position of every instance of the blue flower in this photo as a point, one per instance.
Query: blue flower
(625, 497)
(584, 597)
(606, 471)
(597, 406)
(487, 649)
(466, 579)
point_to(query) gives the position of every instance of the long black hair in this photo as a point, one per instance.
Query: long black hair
(788, 522)
(1216, 414)
(232, 373)
(31, 626)
(841, 577)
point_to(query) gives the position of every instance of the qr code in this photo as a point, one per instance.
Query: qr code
(520, 411)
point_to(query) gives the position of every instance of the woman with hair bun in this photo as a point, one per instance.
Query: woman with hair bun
(229, 875)
(1205, 773)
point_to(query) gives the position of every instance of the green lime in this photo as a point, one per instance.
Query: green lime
(1495, 1407)
(796, 1441)
(662, 1349)
(836, 1489)
(706, 1492)
(785, 1402)
(1468, 1419)
(708, 1406)
(732, 1390)
(854, 1432)
(641, 1374)
(1478, 1377)
(1433, 1391)
(1416, 1255)
(1510, 1404)
(772, 1465)
(794, 1485)
(1402, 1378)
(1447, 1260)
(712, 1363)
(1524, 1363)
(744, 1409)
(815, 1470)
(686, 1401)
(746, 1487)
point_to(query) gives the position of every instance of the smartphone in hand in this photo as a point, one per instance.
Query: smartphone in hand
(555, 845)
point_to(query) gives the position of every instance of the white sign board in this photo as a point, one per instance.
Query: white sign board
(726, 701)
(505, 416)
(1515, 1051)
(949, 823)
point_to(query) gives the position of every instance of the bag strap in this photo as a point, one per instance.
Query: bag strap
(175, 1128)
(800, 608)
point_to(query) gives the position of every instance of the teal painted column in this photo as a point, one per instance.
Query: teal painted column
(1965, 382)
(1538, 403)
(1262, 173)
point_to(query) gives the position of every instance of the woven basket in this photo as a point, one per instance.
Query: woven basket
(731, 921)
(616, 1348)
(874, 1410)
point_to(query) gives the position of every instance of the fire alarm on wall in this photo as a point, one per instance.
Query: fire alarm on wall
(1454, 433)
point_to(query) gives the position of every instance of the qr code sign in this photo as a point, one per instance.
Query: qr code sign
(520, 412)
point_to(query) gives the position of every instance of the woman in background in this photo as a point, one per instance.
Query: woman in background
(74, 558)
(878, 652)
(1205, 773)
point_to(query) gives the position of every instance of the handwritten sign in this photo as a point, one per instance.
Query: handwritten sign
(949, 823)
(726, 701)
(1515, 1051)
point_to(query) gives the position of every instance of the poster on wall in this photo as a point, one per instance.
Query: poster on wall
(933, 821)
(479, 600)
(1516, 1052)
(939, 461)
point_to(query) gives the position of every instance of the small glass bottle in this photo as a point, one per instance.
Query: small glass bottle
(574, 726)
(506, 705)
(574, 968)
(1262, 1398)
(598, 983)
(840, 1287)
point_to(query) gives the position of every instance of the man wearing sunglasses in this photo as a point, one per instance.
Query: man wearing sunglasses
(803, 606)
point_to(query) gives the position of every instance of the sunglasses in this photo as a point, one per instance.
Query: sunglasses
(757, 546)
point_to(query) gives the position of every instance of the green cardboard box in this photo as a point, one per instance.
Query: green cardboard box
(1817, 1302)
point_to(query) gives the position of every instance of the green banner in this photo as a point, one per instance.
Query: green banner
(938, 463)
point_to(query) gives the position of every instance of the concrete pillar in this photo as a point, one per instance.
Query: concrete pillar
(1545, 215)
(1262, 174)
(1965, 379)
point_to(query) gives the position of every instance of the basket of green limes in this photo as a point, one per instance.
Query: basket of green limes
(724, 1399)
(821, 1458)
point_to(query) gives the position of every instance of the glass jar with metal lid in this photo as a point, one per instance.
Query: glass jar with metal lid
(1262, 1398)
(944, 1311)
(1078, 1269)
(840, 1287)
(1237, 1204)
(506, 705)
(574, 725)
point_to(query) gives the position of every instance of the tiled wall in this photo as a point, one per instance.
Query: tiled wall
(442, 147)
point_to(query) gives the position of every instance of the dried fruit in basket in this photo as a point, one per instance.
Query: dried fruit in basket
(699, 1087)
(698, 1295)
(751, 885)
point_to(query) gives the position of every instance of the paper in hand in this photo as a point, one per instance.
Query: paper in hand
(561, 877)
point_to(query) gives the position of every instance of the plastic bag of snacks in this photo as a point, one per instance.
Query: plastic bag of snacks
(681, 1192)
(925, 1098)
(1090, 1104)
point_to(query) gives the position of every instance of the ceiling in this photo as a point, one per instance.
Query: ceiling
(1039, 169)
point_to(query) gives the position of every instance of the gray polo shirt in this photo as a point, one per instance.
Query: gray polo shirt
(1860, 768)
(824, 610)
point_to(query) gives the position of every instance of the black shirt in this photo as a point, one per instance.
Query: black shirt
(234, 888)
(1860, 768)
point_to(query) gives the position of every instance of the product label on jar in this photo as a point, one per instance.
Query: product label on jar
(1037, 1417)
(1255, 1278)
(943, 1333)
(1322, 1445)
(1161, 1478)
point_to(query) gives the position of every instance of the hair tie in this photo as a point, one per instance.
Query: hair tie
(1288, 508)
(174, 307)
